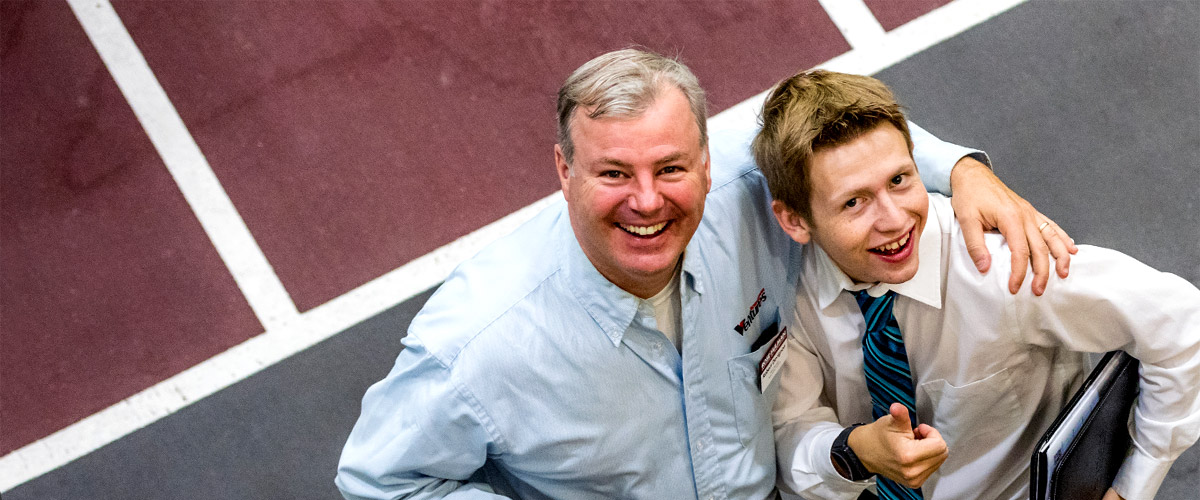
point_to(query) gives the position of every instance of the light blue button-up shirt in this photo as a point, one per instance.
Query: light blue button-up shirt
(529, 368)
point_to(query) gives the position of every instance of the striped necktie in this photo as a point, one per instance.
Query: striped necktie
(889, 379)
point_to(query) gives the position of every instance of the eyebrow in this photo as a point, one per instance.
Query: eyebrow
(671, 158)
(614, 162)
(908, 166)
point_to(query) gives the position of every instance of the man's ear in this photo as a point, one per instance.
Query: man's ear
(564, 170)
(707, 168)
(791, 222)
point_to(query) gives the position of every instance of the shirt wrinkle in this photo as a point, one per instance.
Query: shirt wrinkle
(693, 270)
(481, 413)
(752, 170)
(508, 310)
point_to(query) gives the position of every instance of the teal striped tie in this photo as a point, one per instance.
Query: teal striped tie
(889, 379)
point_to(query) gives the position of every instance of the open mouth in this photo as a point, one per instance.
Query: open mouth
(894, 247)
(644, 231)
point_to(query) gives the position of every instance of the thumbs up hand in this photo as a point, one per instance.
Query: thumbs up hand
(891, 448)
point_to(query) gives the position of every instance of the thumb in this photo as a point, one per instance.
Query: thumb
(900, 419)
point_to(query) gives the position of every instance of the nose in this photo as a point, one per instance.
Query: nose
(645, 197)
(889, 217)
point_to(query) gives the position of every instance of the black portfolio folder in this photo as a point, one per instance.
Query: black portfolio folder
(1079, 455)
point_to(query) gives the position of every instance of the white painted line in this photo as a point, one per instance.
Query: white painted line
(403, 283)
(410, 279)
(186, 163)
(251, 356)
(917, 35)
(856, 22)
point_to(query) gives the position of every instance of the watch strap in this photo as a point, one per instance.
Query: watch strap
(844, 458)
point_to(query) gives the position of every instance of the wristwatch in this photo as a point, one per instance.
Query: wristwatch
(844, 459)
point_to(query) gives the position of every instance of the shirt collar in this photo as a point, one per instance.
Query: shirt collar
(925, 286)
(612, 308)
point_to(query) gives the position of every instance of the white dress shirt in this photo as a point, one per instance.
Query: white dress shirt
(991, 369)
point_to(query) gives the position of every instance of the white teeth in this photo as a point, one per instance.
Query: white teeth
(893, 246)
(644, 230)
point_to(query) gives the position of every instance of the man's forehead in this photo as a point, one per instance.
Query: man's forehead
(655, 135)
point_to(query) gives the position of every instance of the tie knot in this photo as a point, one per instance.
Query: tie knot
(866, 302)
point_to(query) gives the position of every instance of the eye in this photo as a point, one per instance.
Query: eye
(852, 203)
(670, 170)
(611, 174)
(898, 179)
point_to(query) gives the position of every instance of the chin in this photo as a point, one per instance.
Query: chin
(651, 267)
(900, 278)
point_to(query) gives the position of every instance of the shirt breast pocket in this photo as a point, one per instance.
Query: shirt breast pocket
(973, 418)
(751, 405)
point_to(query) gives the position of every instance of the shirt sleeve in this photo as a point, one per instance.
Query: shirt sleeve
(935, 158)
(420, 436)
(805, 428)
(1111, 301)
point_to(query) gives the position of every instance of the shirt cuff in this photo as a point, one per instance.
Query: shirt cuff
(1140, 475)
(822, 480)
(936, 158)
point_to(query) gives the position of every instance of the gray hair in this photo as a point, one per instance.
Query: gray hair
(623, 84)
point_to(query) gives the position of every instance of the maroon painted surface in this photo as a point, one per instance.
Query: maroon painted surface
(108, 285)
(895, 13)
(352, 137)
(356, 136)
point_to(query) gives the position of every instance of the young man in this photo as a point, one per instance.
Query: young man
(954, 378)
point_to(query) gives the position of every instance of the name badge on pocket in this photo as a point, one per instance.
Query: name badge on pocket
(768, 367)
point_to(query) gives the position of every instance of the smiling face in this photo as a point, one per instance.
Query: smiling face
(635, 193)
(868, 207)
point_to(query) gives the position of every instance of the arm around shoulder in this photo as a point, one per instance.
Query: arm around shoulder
(936, 158)
(417, 436)
(984, 202)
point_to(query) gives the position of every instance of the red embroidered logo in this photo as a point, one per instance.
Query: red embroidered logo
(745, 324)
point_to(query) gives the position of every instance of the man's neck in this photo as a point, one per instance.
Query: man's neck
(651, 286)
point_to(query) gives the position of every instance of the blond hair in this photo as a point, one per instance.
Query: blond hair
(813, 110)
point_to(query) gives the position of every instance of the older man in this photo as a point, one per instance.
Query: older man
(616, 345)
